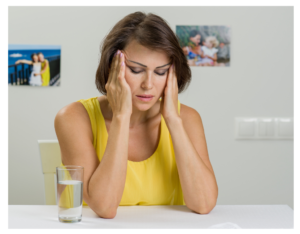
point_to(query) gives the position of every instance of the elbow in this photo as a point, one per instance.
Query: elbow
(106, 214)
(102, 210)
(204, 209)
(110, 215)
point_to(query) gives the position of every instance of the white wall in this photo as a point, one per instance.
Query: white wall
(258, 83)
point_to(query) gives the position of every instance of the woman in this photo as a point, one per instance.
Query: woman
(35, 78)
(193, 49)
(135, 148)
(45, 72)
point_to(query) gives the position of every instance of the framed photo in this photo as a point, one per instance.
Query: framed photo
(205, 46)
(34, 65)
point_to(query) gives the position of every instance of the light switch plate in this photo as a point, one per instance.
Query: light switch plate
(245, 128)
(267, 128)
(285, 128)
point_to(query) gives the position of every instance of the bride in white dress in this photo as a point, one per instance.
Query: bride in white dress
(35, 78)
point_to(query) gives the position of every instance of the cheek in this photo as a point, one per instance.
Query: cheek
(160, 84)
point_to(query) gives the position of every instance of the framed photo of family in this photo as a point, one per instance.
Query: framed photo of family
(34, 65)
(205, 46)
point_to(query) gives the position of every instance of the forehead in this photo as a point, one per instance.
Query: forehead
(139, 53)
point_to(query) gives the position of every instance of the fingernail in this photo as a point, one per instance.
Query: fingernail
(118, 52)
(121, 54)
(122, 64)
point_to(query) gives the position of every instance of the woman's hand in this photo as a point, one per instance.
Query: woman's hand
(169, 102)
(118, 90)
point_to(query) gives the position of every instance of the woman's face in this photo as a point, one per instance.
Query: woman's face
(146, 73)
(196, 39)
(35, 58)
(41, 57)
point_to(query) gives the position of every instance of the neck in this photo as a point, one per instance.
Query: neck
(139, 117)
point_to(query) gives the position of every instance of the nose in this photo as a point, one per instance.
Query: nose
(147, 83)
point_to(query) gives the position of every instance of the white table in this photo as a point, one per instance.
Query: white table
(171, 217)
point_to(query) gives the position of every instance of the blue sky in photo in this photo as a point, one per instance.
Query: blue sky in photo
(33, 47)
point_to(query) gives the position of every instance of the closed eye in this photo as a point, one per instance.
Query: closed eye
(134, 72)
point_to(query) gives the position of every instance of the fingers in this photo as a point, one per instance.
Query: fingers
(172, 79)
(117, 75)
(114, 67)
(117, 66)
(174, 73)
(120, 59)
(121, 75)
(174, 76)
(170, 76)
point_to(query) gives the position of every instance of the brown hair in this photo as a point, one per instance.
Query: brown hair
(150, 31)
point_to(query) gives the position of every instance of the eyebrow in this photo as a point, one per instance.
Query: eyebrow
(146, 66)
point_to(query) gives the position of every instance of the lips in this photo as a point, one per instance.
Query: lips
(145, 96)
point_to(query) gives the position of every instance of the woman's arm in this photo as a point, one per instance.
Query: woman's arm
(199, 51)
(104, 182)
(196, 174)
(24, 61)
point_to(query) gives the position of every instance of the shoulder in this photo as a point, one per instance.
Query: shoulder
(191, 118)
(73, 108)
(188, 113)
(73, 118)
(45, 61)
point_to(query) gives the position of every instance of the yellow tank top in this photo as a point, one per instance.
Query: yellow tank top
(46, 74)
(154, 181)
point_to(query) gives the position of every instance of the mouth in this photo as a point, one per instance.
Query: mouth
(145, 98)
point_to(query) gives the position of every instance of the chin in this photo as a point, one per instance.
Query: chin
(143, 106)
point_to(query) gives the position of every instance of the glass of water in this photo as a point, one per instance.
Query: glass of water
(69, 193)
